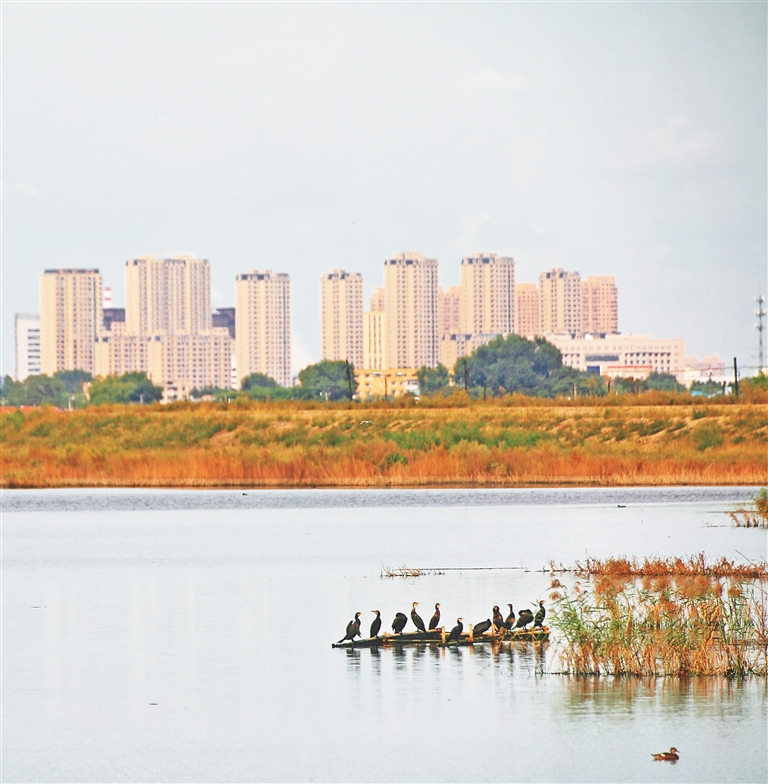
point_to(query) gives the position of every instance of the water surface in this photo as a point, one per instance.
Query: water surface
(185, 636)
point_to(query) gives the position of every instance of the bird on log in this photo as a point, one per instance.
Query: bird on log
(498, 619)
(353, 629)
(525, 617)
(510, 621)
(482, 627)
(668, 756)
(538, 619)
(456, 631)
(376, 625)
(399, 623)
(417, 622)
(435, 619)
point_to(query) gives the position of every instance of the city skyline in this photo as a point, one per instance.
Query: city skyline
(635, 147)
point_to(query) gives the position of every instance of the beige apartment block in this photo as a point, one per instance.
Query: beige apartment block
(263, 325)
(450, 309)
(377, 299)
(167, 295)
(487, 294)
(559, 302)
(341, 316)
(70, 319)
(599, 305)
(373, 339)
(461, 344)
(411, 306)
(527, 310)
(117, 352)
(625, 355)
(388, 383)
(191, 361)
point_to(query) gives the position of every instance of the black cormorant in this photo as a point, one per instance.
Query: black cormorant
(457, 630)
(376, 625)
(498, 618)
(417, 622)
(510, 622)
(538, 619)
(435, 619)
(482, 627)
(399, 623)
(525, 617)
(353, 629)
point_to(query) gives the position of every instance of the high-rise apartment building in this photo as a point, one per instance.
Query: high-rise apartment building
(167, 295)
(27, 329)
(70, 319)
(263, 325)
(487, 294)
(411, 311)
(526, 310)
(377, 299)
(599, 305)
(559, 302)
(341, 316)
(373, 340)
(450, 309)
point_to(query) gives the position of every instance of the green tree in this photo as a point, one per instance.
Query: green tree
(258, 386)
(664, 382)
(73, 380)
(531, 367)
(434, 381)
(128, 388)
(327, 380)
(39, 390)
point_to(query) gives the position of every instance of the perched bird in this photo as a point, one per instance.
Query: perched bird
(435, 619)
(399, 623)
(457, 630)
(376, 625)
(669, 756)
(510, 621)
(498, 618)
(417, 622)
(538, 619)
(482, 627)
(353, 629)
(525, 617)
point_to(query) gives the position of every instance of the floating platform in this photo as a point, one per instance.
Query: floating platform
(440, 637)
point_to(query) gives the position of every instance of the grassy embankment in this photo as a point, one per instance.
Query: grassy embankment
(647, 440)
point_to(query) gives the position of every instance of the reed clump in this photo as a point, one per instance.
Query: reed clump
(662, 624)
(690, 566)
(755, 517)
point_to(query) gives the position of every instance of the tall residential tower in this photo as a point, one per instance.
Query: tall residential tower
(341, 316)
(411, 311)
(70, 318)
(559, 302)
(263, 325)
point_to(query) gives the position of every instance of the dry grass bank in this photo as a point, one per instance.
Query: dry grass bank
(500, 443)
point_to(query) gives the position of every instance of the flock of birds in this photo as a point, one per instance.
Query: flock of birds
(501, 623)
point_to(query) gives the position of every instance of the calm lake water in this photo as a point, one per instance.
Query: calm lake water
(161, 636)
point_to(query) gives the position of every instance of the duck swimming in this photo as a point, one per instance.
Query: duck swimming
(668, 756)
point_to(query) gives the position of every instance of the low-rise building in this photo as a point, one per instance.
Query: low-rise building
(386, 383)
(461, 344)
(623, 355)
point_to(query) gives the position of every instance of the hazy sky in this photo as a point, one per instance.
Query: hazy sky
(609, 138)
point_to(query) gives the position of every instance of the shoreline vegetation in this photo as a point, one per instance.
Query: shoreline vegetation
(676, 616)
(653, 439)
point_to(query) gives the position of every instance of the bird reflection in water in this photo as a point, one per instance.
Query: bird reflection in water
(353, 658)
(375, 660)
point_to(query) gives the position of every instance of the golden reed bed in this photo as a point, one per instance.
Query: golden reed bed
(514, 443)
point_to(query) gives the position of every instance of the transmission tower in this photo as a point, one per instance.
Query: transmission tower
(760, 327)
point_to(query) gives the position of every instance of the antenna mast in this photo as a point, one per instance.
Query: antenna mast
(760, 327)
